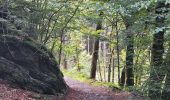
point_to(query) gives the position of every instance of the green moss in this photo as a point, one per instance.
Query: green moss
(43, 51)
(36, 46)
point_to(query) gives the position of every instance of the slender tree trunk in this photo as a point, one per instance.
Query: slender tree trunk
(104, 73)
(91, 41)
(99, 61)
(88, 44)
(110, 65)
(117, 48)
(94, 60)
(136, 67)
(103, 61)
(129, 71)
(65, 61)
(156, 73)
(100, 72)
(113, 66)
(95, 52)
(77, 60)
(108, 70)
(123, 77)
(60, 49)
(166, 91)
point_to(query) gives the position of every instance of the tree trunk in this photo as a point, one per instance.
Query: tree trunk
(60, 49)
(166, 91)
(117, 48)
(129, 57)
(90, 44)
(113, 66)
(65, 61)
(77, 59)
(95, 52)
(110, 65)
(156, 73)
(122, 79)
(94, 59)
(100, 72)
(128, 69)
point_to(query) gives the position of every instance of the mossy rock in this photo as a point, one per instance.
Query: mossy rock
(29, 65)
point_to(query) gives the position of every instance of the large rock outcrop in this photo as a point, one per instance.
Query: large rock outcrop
(26, 64)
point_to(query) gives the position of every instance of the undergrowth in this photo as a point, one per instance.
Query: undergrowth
(82, 77)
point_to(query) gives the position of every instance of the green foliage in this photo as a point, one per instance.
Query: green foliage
(85, 78)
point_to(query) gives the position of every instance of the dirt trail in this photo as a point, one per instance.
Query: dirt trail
(83, 91)
(77, 91)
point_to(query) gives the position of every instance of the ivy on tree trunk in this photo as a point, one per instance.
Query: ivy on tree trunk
(157, 73)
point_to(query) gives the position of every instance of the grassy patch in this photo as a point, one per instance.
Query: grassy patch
(84, 78)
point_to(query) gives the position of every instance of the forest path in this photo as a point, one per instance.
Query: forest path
(77, 91)
(83, 91)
